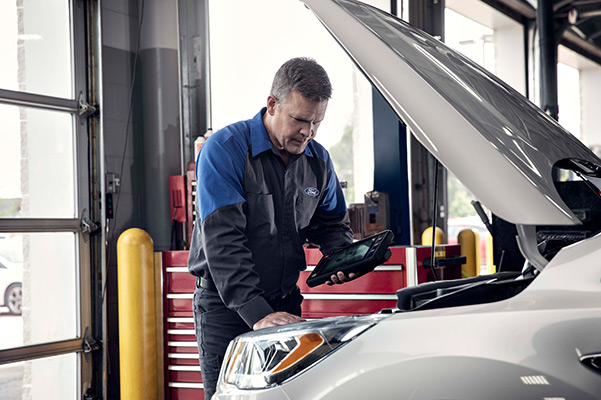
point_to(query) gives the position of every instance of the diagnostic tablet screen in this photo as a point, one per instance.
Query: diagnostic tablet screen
(348, 256)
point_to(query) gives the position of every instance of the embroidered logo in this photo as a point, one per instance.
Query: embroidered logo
(311, 191)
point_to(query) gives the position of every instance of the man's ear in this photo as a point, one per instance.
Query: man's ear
(272, 103)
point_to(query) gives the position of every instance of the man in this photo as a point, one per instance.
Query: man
(264, 188)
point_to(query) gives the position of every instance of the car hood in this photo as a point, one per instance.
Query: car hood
(499, 144)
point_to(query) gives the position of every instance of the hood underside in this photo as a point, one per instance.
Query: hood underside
(500, 145)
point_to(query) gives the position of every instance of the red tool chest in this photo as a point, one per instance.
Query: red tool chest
(182, 371)
(366, 295)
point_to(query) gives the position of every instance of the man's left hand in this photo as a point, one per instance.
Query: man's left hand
(340, 277)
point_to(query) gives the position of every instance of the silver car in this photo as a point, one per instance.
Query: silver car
(11, 277)
(534, 334)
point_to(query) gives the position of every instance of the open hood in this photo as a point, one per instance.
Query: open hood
(500, 145)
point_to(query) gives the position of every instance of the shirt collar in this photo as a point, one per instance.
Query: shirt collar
(259, 137)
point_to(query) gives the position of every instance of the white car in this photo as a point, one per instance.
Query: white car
(534, 334)
(11, 277)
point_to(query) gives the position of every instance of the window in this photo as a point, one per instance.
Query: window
(489, 38)
(44, 196)
(496, 42)
(568, 97)
(36, 47)
(578, 80)
(249, 42)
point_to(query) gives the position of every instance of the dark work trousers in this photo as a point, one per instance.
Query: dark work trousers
(216, 325)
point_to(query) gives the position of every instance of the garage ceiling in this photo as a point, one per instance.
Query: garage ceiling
(584, 17)
(579, 20)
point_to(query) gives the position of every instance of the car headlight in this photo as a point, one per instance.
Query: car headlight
(264, 358)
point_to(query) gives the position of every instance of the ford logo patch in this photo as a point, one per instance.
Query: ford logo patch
(311, 191)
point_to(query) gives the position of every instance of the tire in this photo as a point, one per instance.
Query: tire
(13, 298)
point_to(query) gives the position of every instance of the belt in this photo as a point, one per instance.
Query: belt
(205, 284)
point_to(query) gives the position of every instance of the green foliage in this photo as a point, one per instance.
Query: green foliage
(9, 207)
(342, 157)
(460, 199)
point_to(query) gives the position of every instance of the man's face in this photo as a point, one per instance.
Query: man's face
(294, 121)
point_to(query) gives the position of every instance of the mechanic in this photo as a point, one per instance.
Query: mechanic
(264, 188)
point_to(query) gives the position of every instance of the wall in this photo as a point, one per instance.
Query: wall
(590, 82)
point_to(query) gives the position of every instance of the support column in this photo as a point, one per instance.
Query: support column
(391, 165)
(427, 15)
(195, 72)
(548, 58)
(161, 131)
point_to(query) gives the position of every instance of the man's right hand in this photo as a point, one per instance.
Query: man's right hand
(276, 319)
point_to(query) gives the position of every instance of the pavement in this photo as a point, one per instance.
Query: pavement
(11, 381)
(11, 375)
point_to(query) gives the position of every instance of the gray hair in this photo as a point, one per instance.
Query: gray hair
(305, 76)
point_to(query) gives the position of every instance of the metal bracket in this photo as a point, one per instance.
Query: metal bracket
(85, 109)
(89, 395)
(87, 225)
(89, 343)
(113, 182)
(528, 246)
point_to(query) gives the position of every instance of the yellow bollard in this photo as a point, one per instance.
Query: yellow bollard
(489, 256)
(470, 248)
(137, 329)
(427, 236)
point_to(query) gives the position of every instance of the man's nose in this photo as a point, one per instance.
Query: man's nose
(309, 129)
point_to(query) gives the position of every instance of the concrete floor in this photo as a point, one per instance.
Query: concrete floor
(11, 375)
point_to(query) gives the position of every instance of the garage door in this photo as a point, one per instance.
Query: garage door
(45, 310)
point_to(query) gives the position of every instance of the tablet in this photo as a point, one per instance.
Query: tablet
(360, 257)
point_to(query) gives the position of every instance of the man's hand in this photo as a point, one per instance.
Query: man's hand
(276, 319)
(340, 277)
